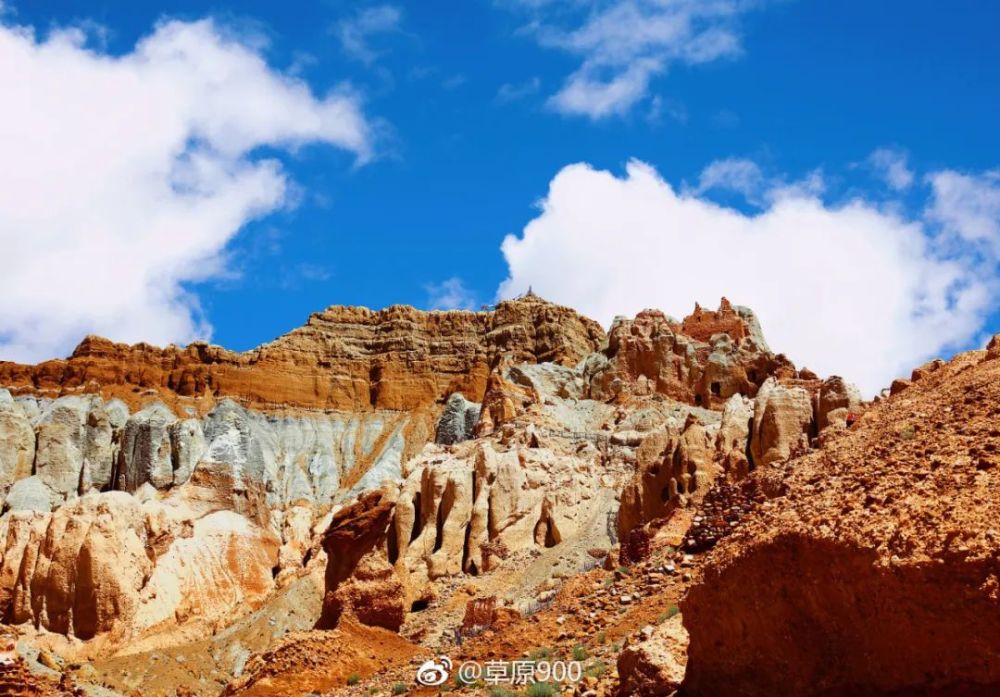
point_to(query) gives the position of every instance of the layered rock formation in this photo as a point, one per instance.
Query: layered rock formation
(877, 561)
(157, 494)
(703, 360)
(347, 358)
(232, 458)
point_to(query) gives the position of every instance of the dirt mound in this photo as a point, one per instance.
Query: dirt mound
(318, 661)
(876, 569)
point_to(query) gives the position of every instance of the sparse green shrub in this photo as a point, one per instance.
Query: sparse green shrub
(541, 689)
(502, 692)
(596, 669)
(602, 637)
(543, 654)
(579, 653)
(353, 679)
(399, 688)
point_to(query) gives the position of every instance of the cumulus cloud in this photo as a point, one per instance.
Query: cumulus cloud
(624, 44)
(850, 289)
(355, 32)
(892, 165)
(126, 176)
(450, 294)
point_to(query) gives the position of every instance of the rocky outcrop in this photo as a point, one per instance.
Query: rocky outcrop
(75, 443)
(17, 444)
(232, 458)
(452, 506)
(878, 562)
(348, 358)
(109, 565)
(458, 420)
(836, 400)
(703, 360)
(782, 423)
(732, 442)
(674, 468)
(360, 582)
(654, 665)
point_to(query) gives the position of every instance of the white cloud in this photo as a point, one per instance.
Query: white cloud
(125, 177)
(844, 289)
(968, 206)
(624, 44)
(893, 167)
(735, 174)
(450, 294)
(355, 33)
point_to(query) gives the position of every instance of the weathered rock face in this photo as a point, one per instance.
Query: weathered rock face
(452, 506)
(458, 420)
(702, 361)
(347, 358)
(733, 440)
(878, 563)
(17, 443)
(360, 582)
(109, 565)
(232, 458)
(782, 423)
(75, 444)
(673, 469)
(84, 574)
(836, 400)
(654, 666)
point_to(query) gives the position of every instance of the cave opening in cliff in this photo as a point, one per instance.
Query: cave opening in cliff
(420, 605)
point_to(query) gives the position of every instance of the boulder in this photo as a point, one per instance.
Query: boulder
(30, 494)
(654, 666)
(458, 420)
(837, 398)
(782, 423)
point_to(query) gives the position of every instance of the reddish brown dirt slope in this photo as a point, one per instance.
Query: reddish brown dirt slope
(877, 569)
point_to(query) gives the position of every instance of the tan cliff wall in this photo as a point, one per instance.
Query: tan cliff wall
(344, 358)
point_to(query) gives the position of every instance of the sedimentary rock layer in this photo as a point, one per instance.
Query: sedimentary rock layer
(348, 358)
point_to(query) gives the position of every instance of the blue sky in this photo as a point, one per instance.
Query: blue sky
(465, 139)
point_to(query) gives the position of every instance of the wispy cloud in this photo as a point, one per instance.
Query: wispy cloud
(356, 32)
(624, 44)
(450, 294)
(893, 167)
(512, 92)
